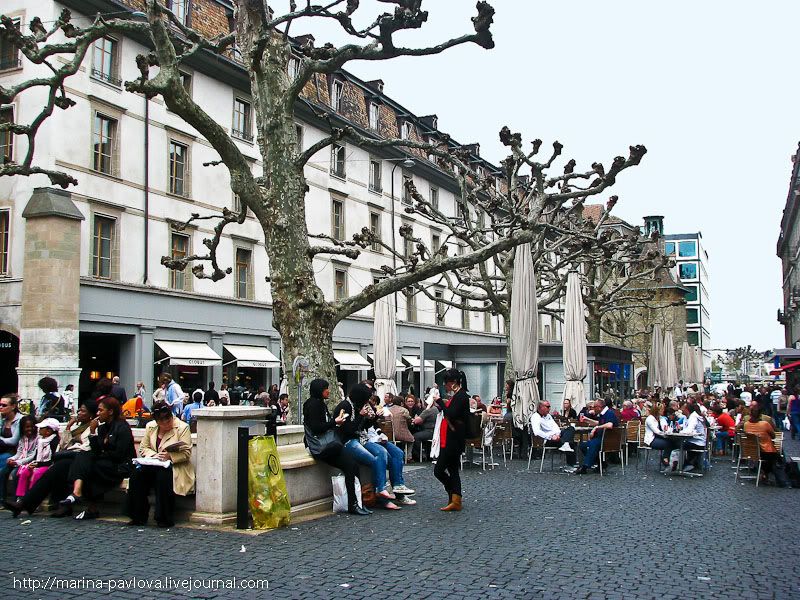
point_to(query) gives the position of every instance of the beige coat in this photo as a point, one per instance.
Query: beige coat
(182, 469)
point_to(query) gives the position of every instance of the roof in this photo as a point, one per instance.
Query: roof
(593, 212)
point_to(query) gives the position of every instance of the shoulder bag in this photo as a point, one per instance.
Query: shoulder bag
(325, 445)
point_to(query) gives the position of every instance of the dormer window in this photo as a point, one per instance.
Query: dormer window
(374, 115)
(293, 68)
(337, 90)
(405, 130)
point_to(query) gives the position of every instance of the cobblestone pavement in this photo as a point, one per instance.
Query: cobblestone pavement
(522, 535)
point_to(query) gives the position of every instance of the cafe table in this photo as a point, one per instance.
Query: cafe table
(681, 436)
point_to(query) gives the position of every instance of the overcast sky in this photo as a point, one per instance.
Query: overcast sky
(709, 87)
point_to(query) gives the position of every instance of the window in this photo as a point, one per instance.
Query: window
(104, 143)
(481, 218)
(487, 321)
(436, 242)
(179, 250)
(464, 314)
(693, 337)
(337, 219)
(339, 284)
(411, 306)
(338, 160)
(669, 248)
(178, 168)
(102, 246)
(104, 61)
(434, 198)
(5, 227)
(375, 229)
(687, 270)
(691, 293)
(336, 95)
(375, 176)
(687, 249)
(439, 317)
(374, 116)
(298, 132)
(181, 9)
(293, 68)
(408, 248)
(405, 130)
(186, 82)
(406, 196)
(243, 287)
(237, 204)
(9, 52)
(241, 120)
(6, 137)
(692, 316)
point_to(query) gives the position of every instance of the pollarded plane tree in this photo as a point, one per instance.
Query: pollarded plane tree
(276, 195)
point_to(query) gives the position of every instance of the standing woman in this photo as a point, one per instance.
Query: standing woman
(452, 436)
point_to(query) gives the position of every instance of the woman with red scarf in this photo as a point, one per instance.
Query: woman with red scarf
(452, 440)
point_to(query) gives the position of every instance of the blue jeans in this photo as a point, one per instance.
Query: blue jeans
(364, 457)
(4, 474)
(392, 456)
(795, 419)
(591, 450)
(722, 438)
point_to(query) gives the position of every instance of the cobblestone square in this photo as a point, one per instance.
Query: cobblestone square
(522, 535)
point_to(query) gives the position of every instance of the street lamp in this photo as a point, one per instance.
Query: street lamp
(407, 163)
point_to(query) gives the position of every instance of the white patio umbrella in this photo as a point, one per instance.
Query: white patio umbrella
(687, 363)
(574, 344)
(524, 336)
(699, 369)
(654, 368)
(670, 368)
(384, 340)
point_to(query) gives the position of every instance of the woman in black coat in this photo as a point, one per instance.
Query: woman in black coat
(105, 465)
(318, 420)
(452, 436)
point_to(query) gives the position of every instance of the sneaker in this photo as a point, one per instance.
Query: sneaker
(402, 489)
(688, 468)
(406, 500)
(565, 447)
(86, 515)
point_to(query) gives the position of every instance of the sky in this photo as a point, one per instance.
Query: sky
(708, 87)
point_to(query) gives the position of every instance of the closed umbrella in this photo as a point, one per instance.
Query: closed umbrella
(687, 363)
(524, 336)
(699, 368)
(384, 340)
(654, 368)
(670, 368)
(574, 344)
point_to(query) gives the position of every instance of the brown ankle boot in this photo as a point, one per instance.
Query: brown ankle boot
(455, 504)
(449, 502)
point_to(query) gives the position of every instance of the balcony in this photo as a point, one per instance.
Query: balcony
(107, 78)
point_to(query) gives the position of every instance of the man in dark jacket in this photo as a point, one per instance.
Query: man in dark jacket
(211, 394)
(118, 391)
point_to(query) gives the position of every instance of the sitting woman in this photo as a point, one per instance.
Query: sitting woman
(567, 411)
(105, 465)
(26, 453)
(317, 421)
(55, 481)
(763, 430)
(46, 446)
(169, 439)
(695, 424)
(655, 428)
(727, 428)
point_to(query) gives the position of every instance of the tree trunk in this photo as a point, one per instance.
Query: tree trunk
(593, 322)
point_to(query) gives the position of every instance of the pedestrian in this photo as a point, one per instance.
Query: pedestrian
(452, 436)
(70, 406)
(173, 394)
(211, 396)
(224, 395)
(51, 404)
(118, 391)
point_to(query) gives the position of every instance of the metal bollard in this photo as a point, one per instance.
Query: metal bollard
(242, 505)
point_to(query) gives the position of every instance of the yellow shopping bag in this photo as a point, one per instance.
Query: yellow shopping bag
(269, 501)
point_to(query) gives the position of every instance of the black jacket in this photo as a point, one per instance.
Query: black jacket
(114, 441)
(456, 414)
(316, 416)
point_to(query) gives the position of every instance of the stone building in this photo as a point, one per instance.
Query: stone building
(788, 250)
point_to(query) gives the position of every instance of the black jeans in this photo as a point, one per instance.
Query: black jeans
(142, 480)
(567, 437)
(447, 469)
(349, 467)
(54, 482)
(665, 445)
(426, 435)
(773, 463)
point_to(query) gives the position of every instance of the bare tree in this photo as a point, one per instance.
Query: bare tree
(276, 196)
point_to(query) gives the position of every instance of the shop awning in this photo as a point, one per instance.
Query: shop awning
(195, 354)
(789, 367)
(350, 360)
(256, 357)
(401, 366)
(414, 362)
(446, 364)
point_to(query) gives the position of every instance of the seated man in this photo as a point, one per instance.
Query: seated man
(545, 427)
(606, 419)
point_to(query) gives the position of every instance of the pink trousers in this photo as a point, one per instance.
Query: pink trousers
(26, 477)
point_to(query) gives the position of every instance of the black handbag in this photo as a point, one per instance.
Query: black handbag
(323, 446)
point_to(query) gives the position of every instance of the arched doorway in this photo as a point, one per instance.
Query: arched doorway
(9, 357)
(641, 378)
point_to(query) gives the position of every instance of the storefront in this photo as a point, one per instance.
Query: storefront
(351, 367)
(411, 379)
(248, 366)
(189, 363)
